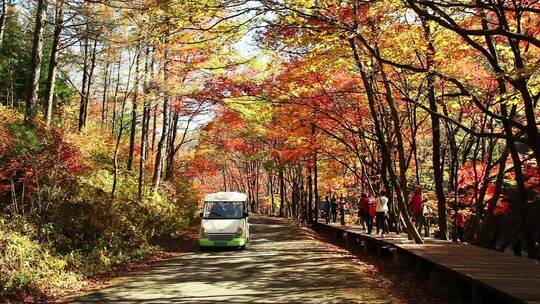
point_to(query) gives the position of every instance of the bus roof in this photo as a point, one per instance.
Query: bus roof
(225, 197)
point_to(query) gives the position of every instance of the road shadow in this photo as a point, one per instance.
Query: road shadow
(280, 265)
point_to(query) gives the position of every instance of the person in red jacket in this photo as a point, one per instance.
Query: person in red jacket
(460, 225)
(417, 209)
(366, 218)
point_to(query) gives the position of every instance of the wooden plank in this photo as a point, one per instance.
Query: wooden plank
(508, 276)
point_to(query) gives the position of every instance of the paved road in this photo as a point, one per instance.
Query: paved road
(281, 265)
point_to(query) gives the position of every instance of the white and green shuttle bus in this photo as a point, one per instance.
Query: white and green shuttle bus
(224, 220)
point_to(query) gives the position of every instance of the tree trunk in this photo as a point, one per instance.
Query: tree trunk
(121, 131)
(310, 173)
(316, 185)
(438, 174)
(115, 97)
(533, 136)
(83, 86)
(35, 68)
(519, 208)
(89, 84)
(144, 129)
(271, 188)
(483, 234)
(10, 85)
(169, 170)
(3, 21)
(154, 129)
(134, 112)
(385, 150)
(294, 197)
(388, 186)
(400, 147)
(104, 100)
(281, 190)
(401, 186)
(531, 130)
(310, 194)
(453, 167)
(165, 130)
(53, 63)
(257, 186)
(414, 145)
(117, 148)
(142, 159)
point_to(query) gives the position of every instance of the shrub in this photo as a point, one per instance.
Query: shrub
(28, 267)
(63, 223)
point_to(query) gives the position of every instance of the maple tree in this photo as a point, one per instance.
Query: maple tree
(154, 101)
(406, 102)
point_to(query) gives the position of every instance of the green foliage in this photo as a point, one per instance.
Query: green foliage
(28, 266)
(15, 55)
(25, 139)
(252, 110)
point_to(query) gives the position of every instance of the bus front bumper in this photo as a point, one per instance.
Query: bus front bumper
(236, 242)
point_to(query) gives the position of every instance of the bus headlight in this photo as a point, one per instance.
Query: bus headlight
(239, 231)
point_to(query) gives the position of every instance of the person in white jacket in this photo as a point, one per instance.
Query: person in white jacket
(381, 209)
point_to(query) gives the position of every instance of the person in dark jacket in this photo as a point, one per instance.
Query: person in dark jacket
(334, 209)
(327, 209)
(341, 204)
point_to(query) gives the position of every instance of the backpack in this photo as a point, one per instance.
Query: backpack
(372, 208)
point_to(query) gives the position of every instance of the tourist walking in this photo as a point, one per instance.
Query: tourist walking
(460, 225)
(381, 209)
(427, 214)
(360, 216)
(341, 204)
(372, 212)
(327, 209)
(363, 213)
(334, 209)
(417, 210)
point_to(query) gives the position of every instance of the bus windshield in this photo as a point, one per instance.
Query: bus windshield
(223, 210)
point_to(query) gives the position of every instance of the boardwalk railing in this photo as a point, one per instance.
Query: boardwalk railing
(454, 271)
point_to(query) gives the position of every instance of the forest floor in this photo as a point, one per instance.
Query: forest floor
(284, 263)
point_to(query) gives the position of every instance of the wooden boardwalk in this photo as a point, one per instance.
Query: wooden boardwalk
(462, 272)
